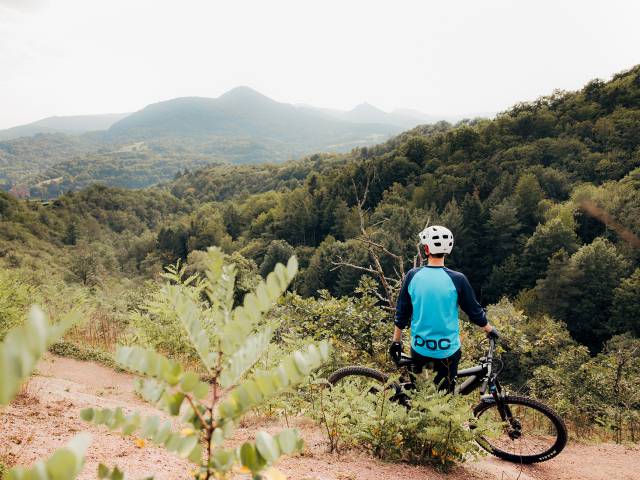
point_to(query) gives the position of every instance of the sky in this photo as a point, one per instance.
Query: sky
(463, 57)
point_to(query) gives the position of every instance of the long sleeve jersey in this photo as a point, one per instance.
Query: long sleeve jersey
(428, 302)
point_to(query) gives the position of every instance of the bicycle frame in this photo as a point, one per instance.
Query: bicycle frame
(478, 376)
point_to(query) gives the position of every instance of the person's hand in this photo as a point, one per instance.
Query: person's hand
(395, 351)
(493, 334)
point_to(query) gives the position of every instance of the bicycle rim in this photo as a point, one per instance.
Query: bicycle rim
(363, 378)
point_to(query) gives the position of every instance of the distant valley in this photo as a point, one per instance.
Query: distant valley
(56, 154)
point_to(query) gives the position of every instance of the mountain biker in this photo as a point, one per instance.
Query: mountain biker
(428, 303)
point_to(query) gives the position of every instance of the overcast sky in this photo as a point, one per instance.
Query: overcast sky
(61, 57)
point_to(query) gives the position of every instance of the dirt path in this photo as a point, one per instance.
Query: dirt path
(46, 417)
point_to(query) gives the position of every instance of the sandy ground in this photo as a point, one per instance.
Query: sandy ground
(46, 416)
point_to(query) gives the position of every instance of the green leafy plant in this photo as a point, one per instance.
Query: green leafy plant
(228, 342)
(20, 352)
(436, 430)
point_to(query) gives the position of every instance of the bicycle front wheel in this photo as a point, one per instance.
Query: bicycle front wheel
(532, 433)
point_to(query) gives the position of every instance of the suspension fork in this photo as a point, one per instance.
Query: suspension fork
(495, 389)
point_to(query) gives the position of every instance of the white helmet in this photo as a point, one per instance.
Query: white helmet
(438, 238)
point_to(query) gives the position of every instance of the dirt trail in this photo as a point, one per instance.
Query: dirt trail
(46, 417)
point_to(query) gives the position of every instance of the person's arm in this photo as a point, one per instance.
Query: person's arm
(404, 309)
(397, 334)
(469, 304)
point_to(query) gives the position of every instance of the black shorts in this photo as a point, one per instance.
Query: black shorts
(446, 368)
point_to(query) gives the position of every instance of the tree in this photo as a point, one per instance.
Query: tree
(503, 229)
(528, 195)
(415, 149)
(472, 240)
(278, 251)
(625, 313)
(548, 238)
(85, 265)
(580, 291)
(232, 220)
(71, 235)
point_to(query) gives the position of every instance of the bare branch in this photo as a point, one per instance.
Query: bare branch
(351, 265)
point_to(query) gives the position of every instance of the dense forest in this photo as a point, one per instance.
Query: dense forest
(544, 202)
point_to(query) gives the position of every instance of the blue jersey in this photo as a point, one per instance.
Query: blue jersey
(428, 302)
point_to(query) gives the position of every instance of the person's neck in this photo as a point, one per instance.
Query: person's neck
(436, 262)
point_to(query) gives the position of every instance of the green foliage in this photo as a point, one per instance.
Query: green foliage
(23, 346)
(20, 351)
(435, 430)
(228, 342)
(581, 291)
(68, 349)
(528, 342)
(598, 392)
(278, 251)
(15, 297)
(626, 304)
(356, 325)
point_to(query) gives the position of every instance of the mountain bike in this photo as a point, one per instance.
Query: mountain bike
(531, 431)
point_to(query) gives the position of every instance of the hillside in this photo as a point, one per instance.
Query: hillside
(512, 188)
(152, 145)
(71, 124)
(544, 203)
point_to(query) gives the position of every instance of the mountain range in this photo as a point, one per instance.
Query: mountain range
(138, 149)
(69, 124)
(245, 113)
(241, 111)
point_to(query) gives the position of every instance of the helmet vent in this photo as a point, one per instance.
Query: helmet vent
(435, 237)
(437, 244)
(443, 236)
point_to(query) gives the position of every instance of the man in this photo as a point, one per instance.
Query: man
(428, 302)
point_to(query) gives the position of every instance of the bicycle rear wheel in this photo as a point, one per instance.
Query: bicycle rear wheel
(368, 380)
(534, 434)
(356, 371)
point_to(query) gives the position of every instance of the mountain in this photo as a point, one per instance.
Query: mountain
(71, 124)
(153, 144)
(401, 118)
(244, 113)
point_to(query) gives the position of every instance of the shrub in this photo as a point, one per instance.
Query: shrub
(15, 297)
(357, 327)
(598, 394)
(435, 430)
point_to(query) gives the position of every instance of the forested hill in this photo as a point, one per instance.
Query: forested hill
(514, 190)
(153, 144)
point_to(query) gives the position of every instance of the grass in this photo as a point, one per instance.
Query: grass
(86, 354)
